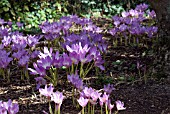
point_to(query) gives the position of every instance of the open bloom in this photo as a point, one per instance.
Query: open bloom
(47, 91)
(76, 81)
(38, 70)
(57, 97)
(11, 108)
(40, 81)
(120, 105)
(82, 101)
(104, 98)
(108, 88)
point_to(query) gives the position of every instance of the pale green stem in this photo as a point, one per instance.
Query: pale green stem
(88, 107)
(134, 40)
(8, 75)
(87, 71)
(55, 77)
(55, 111)
(82, 110)
(116, 112)
(121, 40)
(73, 92)
(72, 68)
(106, 108)
(81, 70)
(50, 109)
(93, 109)
(26, 74)
(59, 109)
(22, 74)
(101, 110)
(125, 41)
(49, 43)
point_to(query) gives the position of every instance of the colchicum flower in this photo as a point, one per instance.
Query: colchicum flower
(108, 88)
(82, 101)
(8, 107)
(40, 81)
(120, 105)
(76, 81)
(47, 91)
(57, 97)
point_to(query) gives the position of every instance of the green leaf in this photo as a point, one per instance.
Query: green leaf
(26, 8)
(9, 5)
(1, 11)
(12, 12)
(5, 9)
(59, 6)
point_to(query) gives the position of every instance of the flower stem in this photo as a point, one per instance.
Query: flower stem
(50, 109)
(101, 110)
(106, 108)
(88, 108)
(83, 110)
(59, 109)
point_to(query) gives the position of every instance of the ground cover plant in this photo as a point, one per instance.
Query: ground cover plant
(76, 66)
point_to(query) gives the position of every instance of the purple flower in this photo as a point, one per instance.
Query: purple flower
(88, 91)
(133, 13)
(152, 14)
(120, 105)
(104, 98)
(45, 63)
(141, 7)
(9, 23)
(82, 101)
(125, 14)
(24, 60)
(57, 60)
(74, 57)
(35, 54)
(99, 63)
(116, 23)
(40, 81)
(122, 27)
(76, 81)
(6, 40)
(95, 95)
(19, 39)
(3, 110)
(113, 31)
(78, 48)
(32, 40)
(4, 59)
(110, 106)
(47, 91)
(19, 24)
(46, 53)
(66, 61)
(12, 108)
(2, 21)
(108, 88)
(38, 70)
(57, 97)
(20, 53)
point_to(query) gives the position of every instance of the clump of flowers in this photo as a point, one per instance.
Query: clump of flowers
(57, 97)
(8, 107)
(89, 97)
(5, 59)
(132, 25)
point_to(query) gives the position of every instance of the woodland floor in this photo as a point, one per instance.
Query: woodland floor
(152, 97)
